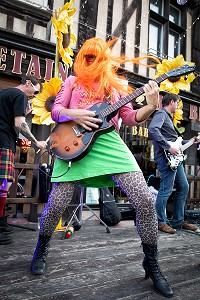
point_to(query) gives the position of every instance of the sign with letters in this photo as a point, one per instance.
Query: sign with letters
(18, 62)
(140, 131)
(194, 112)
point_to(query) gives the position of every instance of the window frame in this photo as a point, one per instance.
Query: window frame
(168, 26)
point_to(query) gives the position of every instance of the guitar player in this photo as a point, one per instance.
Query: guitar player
(161, 131)
(109, 161)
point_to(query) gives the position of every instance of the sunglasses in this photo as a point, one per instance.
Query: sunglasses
(36, 91)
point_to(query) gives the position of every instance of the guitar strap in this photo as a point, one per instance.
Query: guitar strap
(107, 97)
(177, 131)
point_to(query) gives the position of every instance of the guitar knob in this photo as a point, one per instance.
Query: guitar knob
(67, 148)
(75, 143)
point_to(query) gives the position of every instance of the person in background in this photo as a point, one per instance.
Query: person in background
(109, 162)
(161, 131)
(13, 108)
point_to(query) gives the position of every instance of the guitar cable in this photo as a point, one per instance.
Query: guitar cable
(46, 173)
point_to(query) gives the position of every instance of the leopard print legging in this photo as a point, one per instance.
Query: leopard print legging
(133, 185)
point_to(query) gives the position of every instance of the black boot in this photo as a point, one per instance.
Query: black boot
(5, 239)
(4, 226)
(150, 265)
(40, 254)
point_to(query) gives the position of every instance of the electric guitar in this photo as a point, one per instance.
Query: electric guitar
(175, 160)
(71, 142)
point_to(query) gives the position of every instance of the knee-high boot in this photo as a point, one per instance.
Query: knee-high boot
(40, 254)
(152, 270)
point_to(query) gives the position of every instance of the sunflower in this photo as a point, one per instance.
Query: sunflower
(178, 115)
(175, 84)
(42, 104)
(63, 30)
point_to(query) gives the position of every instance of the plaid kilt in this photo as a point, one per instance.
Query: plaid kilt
(7, 165)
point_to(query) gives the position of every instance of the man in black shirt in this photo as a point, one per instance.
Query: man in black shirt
(162, 131)
(13, 105)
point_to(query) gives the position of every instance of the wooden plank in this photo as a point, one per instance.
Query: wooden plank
(22, 200)
(25, 166)
(29, 173)
(26, 208)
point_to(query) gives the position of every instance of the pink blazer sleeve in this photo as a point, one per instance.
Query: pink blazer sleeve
(63, 98)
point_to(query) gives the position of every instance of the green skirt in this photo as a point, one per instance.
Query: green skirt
(109, 155)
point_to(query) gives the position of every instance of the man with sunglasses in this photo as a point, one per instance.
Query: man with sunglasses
(13, 109)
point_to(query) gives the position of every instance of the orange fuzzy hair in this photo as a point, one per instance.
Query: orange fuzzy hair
(104, 68)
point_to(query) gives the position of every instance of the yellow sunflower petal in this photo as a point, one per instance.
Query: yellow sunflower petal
(182, 85)
(39, 111)
(166, 85)
(46, 119)
(72, 38)
(190, 77)
(36, 120)
(55, 25)
(53, 86)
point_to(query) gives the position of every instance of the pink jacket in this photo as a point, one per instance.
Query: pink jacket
(71, 96)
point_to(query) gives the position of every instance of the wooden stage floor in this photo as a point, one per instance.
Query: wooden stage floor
(96, 265)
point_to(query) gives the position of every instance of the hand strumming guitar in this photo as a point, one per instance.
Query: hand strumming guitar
(173, 151)
(83, 117)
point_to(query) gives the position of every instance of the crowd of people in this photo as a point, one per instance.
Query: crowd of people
(95, 81)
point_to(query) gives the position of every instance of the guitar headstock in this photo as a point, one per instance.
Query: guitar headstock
(180, 71)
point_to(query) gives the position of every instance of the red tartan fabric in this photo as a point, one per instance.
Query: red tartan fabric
(7, 170)
(3, 197)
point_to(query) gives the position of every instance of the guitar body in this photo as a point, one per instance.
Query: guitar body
(71, 142)
(175, 160)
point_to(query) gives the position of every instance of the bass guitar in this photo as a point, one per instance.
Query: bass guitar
(173, 161)
(71, 142)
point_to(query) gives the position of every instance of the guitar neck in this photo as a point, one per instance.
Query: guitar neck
(125, 100)
(188, 144)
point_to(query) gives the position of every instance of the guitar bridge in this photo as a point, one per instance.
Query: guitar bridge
(77, 130)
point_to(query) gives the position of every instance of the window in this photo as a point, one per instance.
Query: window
(155, 32)
(174, 15)
(173, 44)
(165, 29)
(157, 6)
